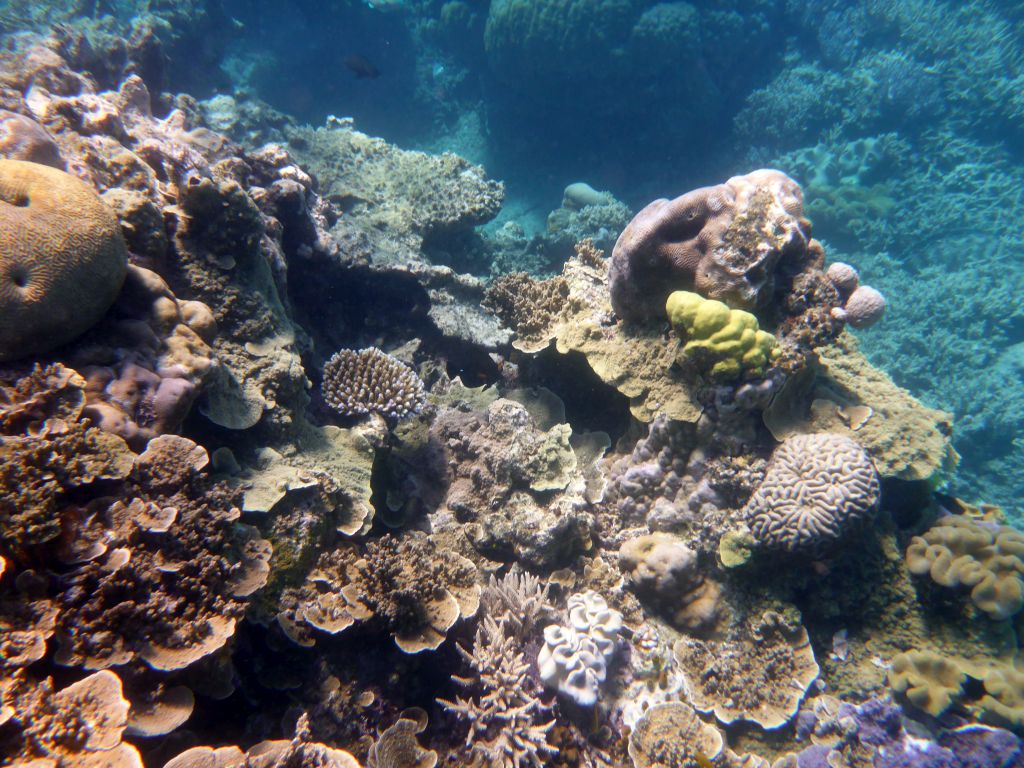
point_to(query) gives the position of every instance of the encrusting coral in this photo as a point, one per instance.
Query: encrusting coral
(408, 587)
(727, 341)
(62, 258)
(816, 489)
(761, 678)
(987, 559)
(672, 736)
(370, 381)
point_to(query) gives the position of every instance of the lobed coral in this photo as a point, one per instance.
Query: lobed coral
(816, 489)
(63, 258)
(370, 381)
(727, 341)
(987, 559)
(671, 735)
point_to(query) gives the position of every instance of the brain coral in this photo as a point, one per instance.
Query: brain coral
(370, 381)
(959, 552)
(815, 488)
(724, 242)
(62, 258)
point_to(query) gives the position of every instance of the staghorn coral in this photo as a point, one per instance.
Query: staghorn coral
(63, 258)
(816, 488)
(504, 711)
(370, 381)
(672, 736)
(760, 677)
(989, 560)
(724, 242)
(518, 600)
(409, 587)
(79, 726)
(726, 341)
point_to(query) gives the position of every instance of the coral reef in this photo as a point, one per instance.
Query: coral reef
(63, 258)
(816, 488)
(959, 552)
(370, 381)
(673, 735)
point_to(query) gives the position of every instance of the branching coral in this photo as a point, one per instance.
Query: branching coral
(370, 381)
(989, 560)
(529, 307)
(408, 586)
(816, 489)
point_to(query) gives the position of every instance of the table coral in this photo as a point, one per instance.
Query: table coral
(724, 242)
(816, 489)
(761, 677)
(987, 559)
(357, 383)
(63, 258)
(727, 341)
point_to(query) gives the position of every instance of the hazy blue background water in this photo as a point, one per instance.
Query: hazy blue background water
(902, 119)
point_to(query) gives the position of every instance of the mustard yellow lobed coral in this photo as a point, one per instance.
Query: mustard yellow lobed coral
(730, 340)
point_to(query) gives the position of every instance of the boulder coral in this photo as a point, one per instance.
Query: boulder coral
(62, 258)
(724, 242)
(987, 559)
(727, 342)
(816, 489)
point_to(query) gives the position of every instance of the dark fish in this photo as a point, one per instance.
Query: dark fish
(361, 67)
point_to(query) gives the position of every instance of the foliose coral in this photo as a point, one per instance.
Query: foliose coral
(817, 487)
(987, 559)
(574, 658)
(63, 258)
(356, 383)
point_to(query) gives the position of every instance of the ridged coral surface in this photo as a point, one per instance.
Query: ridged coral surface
(816, 489)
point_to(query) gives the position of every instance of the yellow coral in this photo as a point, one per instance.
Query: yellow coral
(729, 338)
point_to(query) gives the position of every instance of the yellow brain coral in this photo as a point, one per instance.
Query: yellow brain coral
(959, 552)
(728, 339)
(62, 258)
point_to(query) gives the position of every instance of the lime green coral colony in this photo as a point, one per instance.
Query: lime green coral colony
(729, 339)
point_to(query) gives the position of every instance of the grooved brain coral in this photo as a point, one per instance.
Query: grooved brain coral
(959, 552)
(815, 488)
(62, 258)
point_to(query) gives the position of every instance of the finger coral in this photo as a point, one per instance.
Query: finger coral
(62, 258)
(370, 381)
(988, 560)
(817, 487)
(727, 341)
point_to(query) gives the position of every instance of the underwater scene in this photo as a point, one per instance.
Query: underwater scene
(511, 384)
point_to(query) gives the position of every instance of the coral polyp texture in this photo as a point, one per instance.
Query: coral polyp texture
(62, 258)
(673, 735)
(817, 488)
(726, 341)
(986, 559)
(356, 383)
(724, 242)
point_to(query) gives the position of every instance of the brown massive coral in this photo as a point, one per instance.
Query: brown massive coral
(725, 242)
(62, 258)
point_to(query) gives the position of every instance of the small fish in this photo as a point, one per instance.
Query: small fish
(361, 67)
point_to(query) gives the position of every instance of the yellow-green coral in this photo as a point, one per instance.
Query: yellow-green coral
(729, 339)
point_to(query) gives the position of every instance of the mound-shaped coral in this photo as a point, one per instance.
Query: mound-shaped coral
(370, 381)
(62, 258)
(725, 242)
(726, 341)
(987, 559)
(761, 677)
(409, 587)
(672, 736)
(816, 489)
